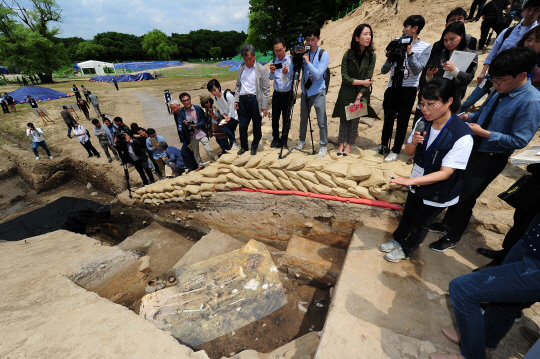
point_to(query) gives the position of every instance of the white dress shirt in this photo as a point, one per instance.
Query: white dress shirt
(249, 81)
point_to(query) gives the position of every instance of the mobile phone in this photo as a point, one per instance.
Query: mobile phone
(278, 66)
(430, 66)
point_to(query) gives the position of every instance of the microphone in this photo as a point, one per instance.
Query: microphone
(420, 127)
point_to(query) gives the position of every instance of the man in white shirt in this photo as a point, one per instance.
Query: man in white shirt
(281, 98)
(225, 105)
(37, 140)
(252, 94)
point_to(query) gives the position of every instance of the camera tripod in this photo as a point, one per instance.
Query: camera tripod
(297, 69)
(392, 113)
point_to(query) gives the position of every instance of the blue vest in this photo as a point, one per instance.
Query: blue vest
(450, 188)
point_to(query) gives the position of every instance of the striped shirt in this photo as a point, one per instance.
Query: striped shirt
(413, 64)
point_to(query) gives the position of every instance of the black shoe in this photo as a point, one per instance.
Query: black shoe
(439, 227)
(274, 143)
(384, 151)
(488, 253)
(487, 266)
(241, 151)
(442, 244)
(90, 156)
(98, 156)
(253, 151)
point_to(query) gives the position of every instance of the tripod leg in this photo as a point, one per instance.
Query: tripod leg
(126, 173)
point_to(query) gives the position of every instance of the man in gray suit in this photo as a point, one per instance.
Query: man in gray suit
(252, 94)
(68, 119)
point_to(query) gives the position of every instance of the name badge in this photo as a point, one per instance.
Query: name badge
(417, 171)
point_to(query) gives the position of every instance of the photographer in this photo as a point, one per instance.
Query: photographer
(401, 100)
(279, 72)
(37, 140)
(191, 125)
(105, 139)
(314, 88)
(132, 151)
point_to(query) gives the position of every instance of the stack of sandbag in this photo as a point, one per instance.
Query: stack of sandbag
(361, 174)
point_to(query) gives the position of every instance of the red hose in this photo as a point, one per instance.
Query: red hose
(369, 202)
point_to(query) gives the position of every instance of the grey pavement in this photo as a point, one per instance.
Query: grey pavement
(157, 117)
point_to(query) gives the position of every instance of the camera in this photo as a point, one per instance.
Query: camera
(278, 66)
(120, 138)
(397, 48)
(298, 50)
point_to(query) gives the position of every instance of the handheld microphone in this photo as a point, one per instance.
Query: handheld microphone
(420, 127)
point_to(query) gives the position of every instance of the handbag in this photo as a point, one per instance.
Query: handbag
(87, 133)
(524, 194)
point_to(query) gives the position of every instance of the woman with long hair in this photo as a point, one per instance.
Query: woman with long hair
(356, 71)
(532, 39)
(453, 38)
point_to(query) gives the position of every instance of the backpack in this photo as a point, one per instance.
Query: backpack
(326, 74)
(225, 94)
(507, 33)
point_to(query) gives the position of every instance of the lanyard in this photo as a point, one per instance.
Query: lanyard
(434, 142)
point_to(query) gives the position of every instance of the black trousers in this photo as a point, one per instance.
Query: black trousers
(402, 101)
(481, 171)
(116, 85)
(188, 157)
(90, 148)
(249, 111)
(280, 107)
(489, 22)
(476, 3)
(78, 96)
(142, 166)
(414, 224)
(5, 107)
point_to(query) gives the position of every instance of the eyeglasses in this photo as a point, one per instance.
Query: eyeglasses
(499, 83)
(185, 100)
(428, 106)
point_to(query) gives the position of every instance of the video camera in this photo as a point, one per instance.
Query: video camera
(120, 138)
(298, 50)
(397, 48)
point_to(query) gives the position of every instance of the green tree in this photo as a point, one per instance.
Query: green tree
(215, 52)
(27, 43)
(89, 50)
(158, 46)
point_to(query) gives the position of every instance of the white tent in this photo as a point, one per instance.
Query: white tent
(96, 67)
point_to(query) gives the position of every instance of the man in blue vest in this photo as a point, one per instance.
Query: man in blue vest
(506, 121)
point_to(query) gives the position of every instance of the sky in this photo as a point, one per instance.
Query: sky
(86, 18)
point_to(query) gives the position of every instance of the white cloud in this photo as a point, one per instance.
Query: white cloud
(85, 18)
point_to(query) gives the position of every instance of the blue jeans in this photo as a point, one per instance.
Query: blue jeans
(506, 287)
(229, 129)
(42, 144)
(474, 97)
(224, 144)
(518, 13)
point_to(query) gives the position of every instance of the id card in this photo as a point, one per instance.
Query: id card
(417, 171)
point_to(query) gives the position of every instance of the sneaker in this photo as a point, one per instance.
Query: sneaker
(377, 148)
(391, 157)
(389, 246)
(51, 157)
(442, 244)
(395, 255)
(439, 227)
(37, 158)
(300, 145)
(235, 146)
(110, 160)
(322, 152)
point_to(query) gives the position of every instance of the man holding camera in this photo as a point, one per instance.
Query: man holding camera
(132, 151)
(252, 94)
(279, 72)
(105, 139)
(401, 99)
(314, 88)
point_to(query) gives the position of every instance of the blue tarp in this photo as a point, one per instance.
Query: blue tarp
(140, 66)
(37, 92)
(123, 78)
(4, 70)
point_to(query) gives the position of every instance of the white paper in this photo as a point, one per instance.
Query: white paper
(462, 60)
(532, 155)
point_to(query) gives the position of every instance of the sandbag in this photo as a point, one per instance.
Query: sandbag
(191, 189)
(278, 173)
(208, 180)
(209, 172)
(207, 187)
(405, 172)
(299, 185)
(255, 173)
(336, 168)
(233, 178)
(195, 197)
(220, 187)
(230, 185)
(254, 160)
(255, 184)
(196, 178)
(287, 184)
(297, 163)
(376, 179)
(343, 182)
(310, 176)
(358, 172)
(292, 174)
(321, 188)
(268, 184)
(362, 192)
(372, 156)
(148, 201)
(178, 193)
(227, 158)
(392, 166)
(222, 179)
(206, 193)
(242, 160)
(355, 152)
(315, 165)
(245, 183)
(244, 173)
(141, 191)
(380, 194)
(224, 170)
(325, 179)
(268, 160)
(267, 174)
(342, 192)
(282, 163)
